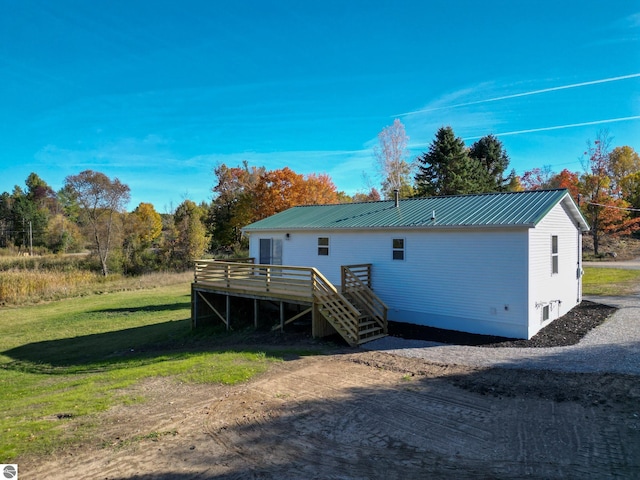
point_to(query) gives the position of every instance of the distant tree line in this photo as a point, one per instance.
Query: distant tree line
(607, 190)
(89, 212)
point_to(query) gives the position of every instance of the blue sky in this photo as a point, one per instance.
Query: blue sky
(157, 93)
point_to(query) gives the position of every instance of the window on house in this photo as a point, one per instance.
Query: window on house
(271, 251)
(554, 254)
(323, 245)
(545, 313)
(398, 248)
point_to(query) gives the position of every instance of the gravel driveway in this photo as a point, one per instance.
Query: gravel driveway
(612, 347)
(623, 264)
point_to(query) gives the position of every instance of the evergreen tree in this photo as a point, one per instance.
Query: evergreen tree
(447, 168)
(490, 153)
(28, 222)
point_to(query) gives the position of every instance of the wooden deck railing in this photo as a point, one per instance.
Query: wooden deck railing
(248, 277)
(285, 282)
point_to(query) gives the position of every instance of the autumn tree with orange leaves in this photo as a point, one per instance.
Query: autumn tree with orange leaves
(608, 190)
(569, 180)
(281, 189)
(246, 194)
(601, 201)
(233, 204)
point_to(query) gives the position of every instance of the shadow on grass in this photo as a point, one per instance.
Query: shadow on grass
(140, 345)
(146, 308)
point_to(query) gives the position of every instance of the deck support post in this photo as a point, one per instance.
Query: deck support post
(282, 316)
(228, 312)
(194, 308)
(255, 313)
(315, 317)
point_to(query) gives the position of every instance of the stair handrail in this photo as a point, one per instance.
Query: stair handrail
(321, 286)
(365, 296)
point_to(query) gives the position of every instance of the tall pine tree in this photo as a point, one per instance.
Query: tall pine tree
(447, 168)
(490, 153)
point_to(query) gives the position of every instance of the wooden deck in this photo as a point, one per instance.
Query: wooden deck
(361, 319)
(264, 281)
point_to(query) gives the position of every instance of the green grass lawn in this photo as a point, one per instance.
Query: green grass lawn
(610, 281)
(71, 359)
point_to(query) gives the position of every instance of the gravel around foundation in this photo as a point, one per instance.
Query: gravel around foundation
(612, 345)
(567, 330)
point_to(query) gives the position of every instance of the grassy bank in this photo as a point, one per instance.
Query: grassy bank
(610, 281)
(31, 280)
(63, 362)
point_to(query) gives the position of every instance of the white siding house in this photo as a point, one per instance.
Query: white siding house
(501, 264)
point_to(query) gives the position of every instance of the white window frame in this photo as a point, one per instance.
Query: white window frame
(324, 248)
(555, 256)
(400, 250)
(274, 246)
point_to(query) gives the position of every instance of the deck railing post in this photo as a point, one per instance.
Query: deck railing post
(227, 275)
(268, 278)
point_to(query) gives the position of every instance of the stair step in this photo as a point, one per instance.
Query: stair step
(367, 323)
(355, 329)
(363, 333)
(370, 339)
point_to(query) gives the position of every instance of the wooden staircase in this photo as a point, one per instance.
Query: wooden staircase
(356, 313)
(356, 287)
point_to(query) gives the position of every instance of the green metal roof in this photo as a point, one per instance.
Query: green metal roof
(508, 209)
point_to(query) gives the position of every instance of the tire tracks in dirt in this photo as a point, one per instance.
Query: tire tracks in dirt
(354, 416)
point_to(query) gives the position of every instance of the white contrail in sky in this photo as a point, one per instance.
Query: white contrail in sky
(526, 94)
(560, 127)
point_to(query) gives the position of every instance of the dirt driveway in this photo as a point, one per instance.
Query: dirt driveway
(368, 415)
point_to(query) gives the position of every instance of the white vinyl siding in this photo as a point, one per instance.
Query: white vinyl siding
(559, 291)
(492, 281)
(463, 279)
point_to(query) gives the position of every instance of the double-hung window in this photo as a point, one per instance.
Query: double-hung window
(323, 245)
(398, 249)
(554, 254)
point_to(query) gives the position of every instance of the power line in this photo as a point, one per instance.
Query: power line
(614, 206)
